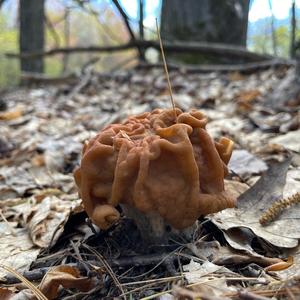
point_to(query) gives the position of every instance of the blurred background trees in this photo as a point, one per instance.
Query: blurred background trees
(82, 23)
(207, 20)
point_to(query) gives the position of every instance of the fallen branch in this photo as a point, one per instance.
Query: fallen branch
(245, 67)
(196, 47)
(36, 78)
(138, 260)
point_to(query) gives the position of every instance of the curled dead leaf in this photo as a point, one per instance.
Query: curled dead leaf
(245, 100)
(45, 220)
(5, 294)
(38, 160)
(66, 276)
(281, 265)
(11, 115)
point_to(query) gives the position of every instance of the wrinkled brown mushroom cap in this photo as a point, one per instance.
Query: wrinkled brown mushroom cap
(155, 165)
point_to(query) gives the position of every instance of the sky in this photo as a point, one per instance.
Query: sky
(259, 9)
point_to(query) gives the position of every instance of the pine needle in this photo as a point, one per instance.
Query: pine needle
(166, 70)
(32, 287)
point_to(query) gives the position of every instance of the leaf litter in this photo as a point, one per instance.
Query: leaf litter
(44, 233)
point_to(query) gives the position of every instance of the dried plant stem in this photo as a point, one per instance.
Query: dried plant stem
(166, 70)
(156, 280)
(277, 207)
(107, 267)
(12, 231)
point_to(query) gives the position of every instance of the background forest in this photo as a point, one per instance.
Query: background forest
(68, 23)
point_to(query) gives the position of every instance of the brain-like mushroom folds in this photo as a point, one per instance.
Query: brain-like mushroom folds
(155, 164)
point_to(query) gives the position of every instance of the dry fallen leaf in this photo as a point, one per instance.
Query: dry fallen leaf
(245, 164)
(248, 96)
(228, 256)
(196, 272)
(200, 291)
(235, 188)
(16, 248)
(60, 276)
(66, 276)
(5, 294)
(45, 221)
(289, 140)
(283, 232)
(11, 115)
(17, 179)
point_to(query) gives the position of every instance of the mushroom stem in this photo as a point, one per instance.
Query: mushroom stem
(153, 228)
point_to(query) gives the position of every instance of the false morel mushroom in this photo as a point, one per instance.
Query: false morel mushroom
(154, 165)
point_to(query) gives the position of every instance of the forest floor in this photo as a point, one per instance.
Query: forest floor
(46, 240)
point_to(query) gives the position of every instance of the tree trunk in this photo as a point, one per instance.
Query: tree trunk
(141, 27)
(32, 34)
(293, 30)
(205, 20)
(274, 39)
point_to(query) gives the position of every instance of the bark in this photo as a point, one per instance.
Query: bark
(154, 229)
(293, 30)
(205, 21)
(141, 27)
(1, 3)
(32, 34)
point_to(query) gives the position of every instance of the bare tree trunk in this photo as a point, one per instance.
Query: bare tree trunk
(205, 20)
(274, 40)
(141, 19)
(215, 21)
(141, 27)
(293, 30)
(32, 34)
(1, 2)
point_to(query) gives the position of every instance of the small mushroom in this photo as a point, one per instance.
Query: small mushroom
(162, 172)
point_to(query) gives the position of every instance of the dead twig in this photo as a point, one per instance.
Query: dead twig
(245, 295)
(35, 78)
(176, 46)
(137, 261)
(32, 287)
(107, 267)
(243, 68)
(107, 30)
